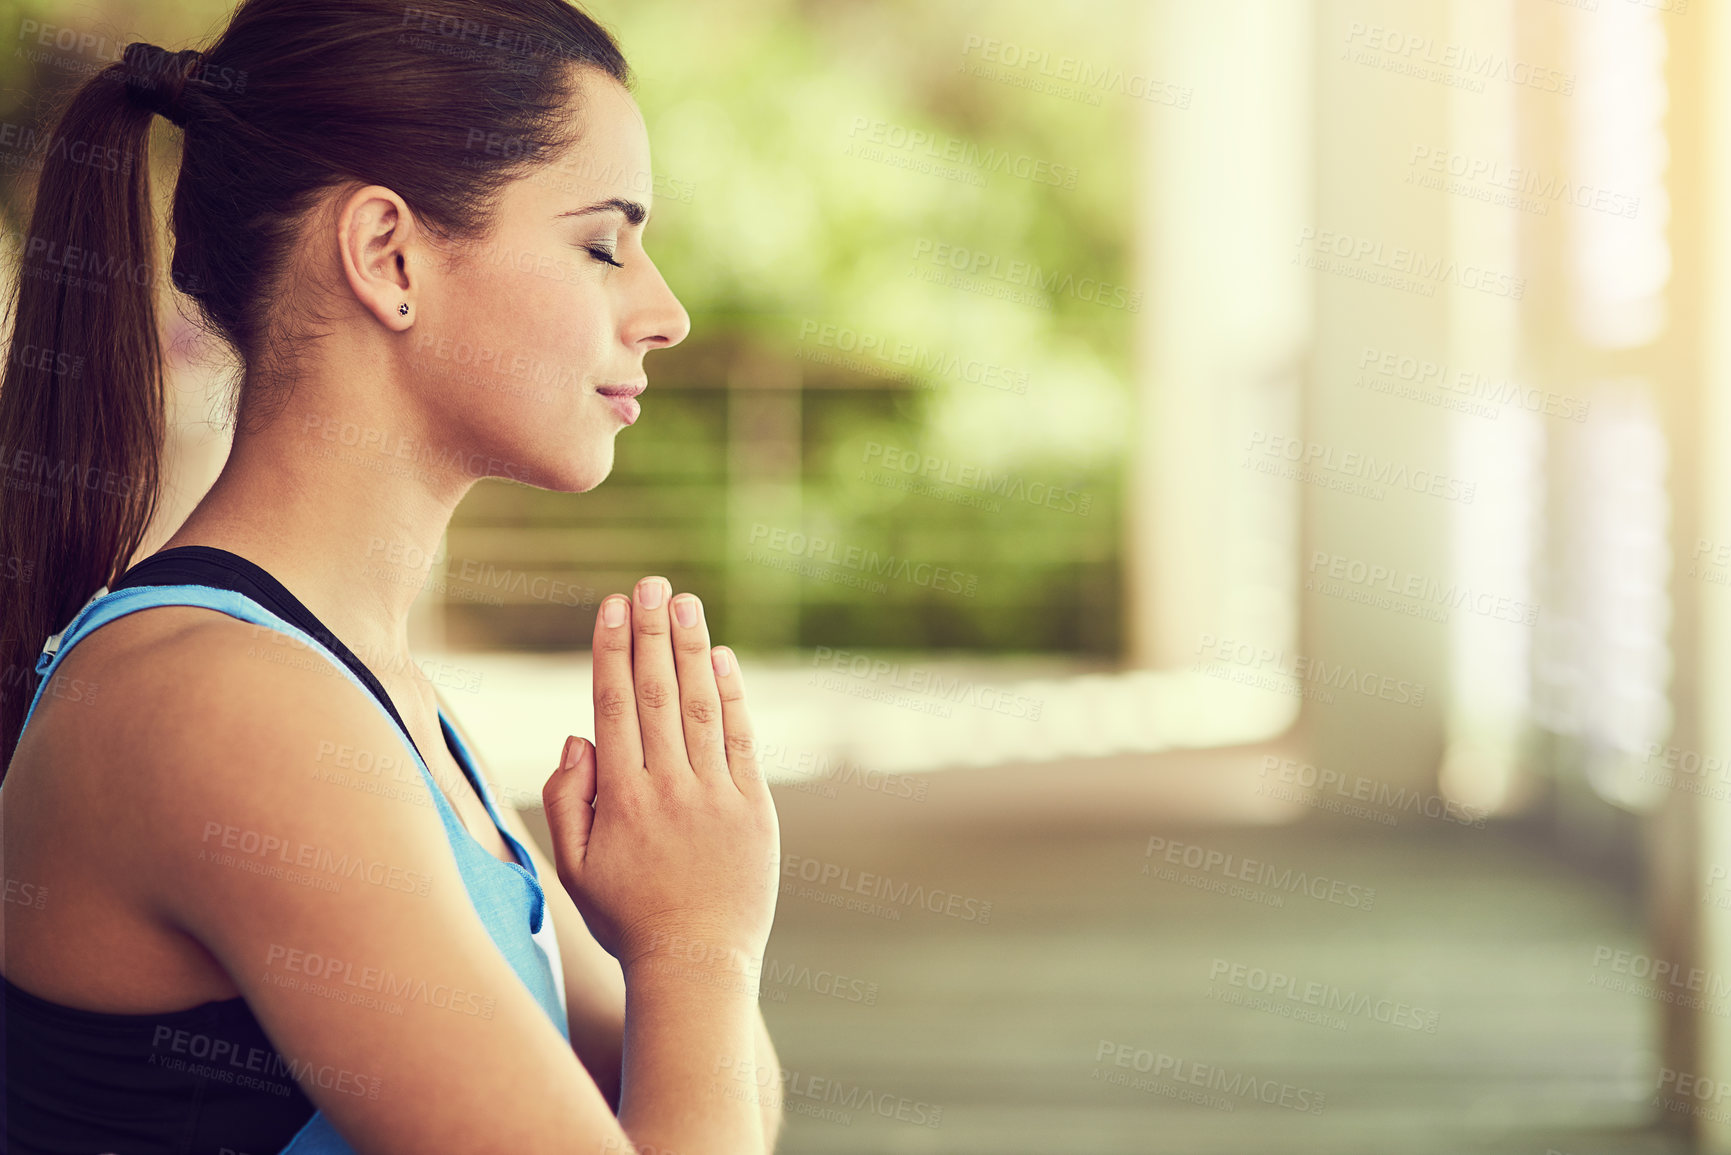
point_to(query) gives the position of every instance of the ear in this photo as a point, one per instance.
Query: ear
(375, 237)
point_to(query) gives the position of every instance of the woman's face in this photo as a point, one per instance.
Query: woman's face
(532, 343)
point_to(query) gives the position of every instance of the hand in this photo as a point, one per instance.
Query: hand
(664, 831)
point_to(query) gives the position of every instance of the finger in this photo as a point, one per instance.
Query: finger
(657, 685)
(741, 741)
(618, 742)
(699, 700)
(569, 796)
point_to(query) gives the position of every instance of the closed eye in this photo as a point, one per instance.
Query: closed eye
(604, 255)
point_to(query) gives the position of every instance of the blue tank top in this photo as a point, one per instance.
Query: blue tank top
(86, 1081)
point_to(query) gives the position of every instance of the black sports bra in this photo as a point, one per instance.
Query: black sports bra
(200, 1081)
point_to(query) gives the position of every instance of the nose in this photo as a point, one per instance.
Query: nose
(659, 321)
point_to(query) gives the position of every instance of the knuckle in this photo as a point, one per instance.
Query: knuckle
(652, 625)
(742, 746)
(612, 703)
(653, 693)
(701, 710)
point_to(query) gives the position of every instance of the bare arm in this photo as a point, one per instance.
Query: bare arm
(402, 1022)
(595, 990)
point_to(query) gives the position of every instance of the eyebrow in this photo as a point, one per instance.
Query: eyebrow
(634, 213)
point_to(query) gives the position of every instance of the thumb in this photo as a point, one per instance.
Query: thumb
(569, 797)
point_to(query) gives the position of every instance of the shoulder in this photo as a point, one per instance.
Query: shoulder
(175, 679)
(192, 720)
(337, 909)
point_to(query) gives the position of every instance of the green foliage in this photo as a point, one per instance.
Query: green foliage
(811, 243)
(789, 224)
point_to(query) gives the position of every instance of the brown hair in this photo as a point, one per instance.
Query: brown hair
(294, 97)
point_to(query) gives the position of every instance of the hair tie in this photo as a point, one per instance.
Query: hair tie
(156, 78)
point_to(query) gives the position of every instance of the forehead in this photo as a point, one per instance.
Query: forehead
(611, 155)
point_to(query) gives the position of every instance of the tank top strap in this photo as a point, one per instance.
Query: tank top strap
(507, 896)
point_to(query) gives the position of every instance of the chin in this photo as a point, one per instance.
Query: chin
(574, 472)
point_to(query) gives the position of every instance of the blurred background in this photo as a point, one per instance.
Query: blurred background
(1223, 506)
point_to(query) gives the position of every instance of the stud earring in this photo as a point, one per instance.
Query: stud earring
(403, 309)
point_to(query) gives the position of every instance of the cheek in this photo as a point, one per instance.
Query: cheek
(523, 347)
(513, 370)
(552, 320)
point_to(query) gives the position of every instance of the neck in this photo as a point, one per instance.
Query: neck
(346, 511)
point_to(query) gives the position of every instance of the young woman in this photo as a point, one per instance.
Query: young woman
(258, 895)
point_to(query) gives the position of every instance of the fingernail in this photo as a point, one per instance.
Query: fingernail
(568, 759)
(685, 610)
(613, 611)
(650, 593)
(722, 659)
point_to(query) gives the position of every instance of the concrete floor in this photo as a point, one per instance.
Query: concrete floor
(1464, 1016)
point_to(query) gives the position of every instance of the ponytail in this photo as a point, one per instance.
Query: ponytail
(294, 97)
(81, 395)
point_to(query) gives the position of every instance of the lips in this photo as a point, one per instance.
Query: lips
(626, 390)
(623, 399)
